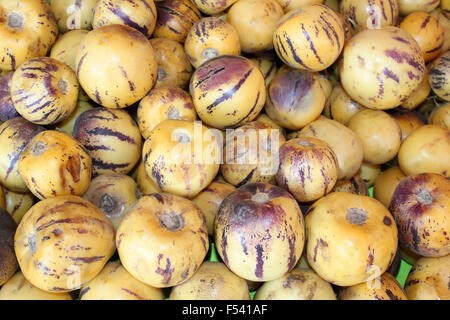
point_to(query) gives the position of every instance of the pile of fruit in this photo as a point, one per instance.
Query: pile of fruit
(232, 149)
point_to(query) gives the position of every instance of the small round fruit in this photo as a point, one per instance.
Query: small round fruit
(384, 288)
(356, 240)
(105, 70)
(175, 18)
(339, 106)
(174, 68)
(310, 38)
(182, 157)
(386, 183)
(115, 283)
(211, 7)
(73, 14)
(381, 76)
(308, 168)
(259, 232)
(369, 14)
(44, 90)
(66, 47)
(228, 91)
(439, 76)
(441, 116)
(19, 288)
(63, 242)
(420, 206)
(211, 37)
(419, 95)
(8, 261)
(380, 134)
(138, 14)
(212, 281)
(426, 149)
(17, 204)
(408, 120)
(161, 104)
(353, 185)
(295, 98)
(114, 194)
(428, 279)
(177, 240)
(255, 22)
(210, 199)
(28, 29)
(145, 184)
(111, 137)
(7, 110)
(67, 125)
(299, 284)
(409, 6)
(15, 134)
(54, 164)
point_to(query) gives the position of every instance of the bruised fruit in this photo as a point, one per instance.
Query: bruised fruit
(55, 164)
(299, 284)
(386, 287)
(17, 204)
(369, 14)
(111, 137)
(308, 168)
(15, 134)
(309, 38)
(420, 206)
(386, 183)
(212, 281)
(182, 157)
(176, 245)
(211, 37)
(66, 47)
(228, 91)
(209, 201)
(114, 194)
(105, 70)
(7, 110)
(73, 14)
(351, 238)
(138, 14)
(294, 98)
(8, 261)
(259, 232)
(115, 283)
(339, 106)
(44, 90)
(28, 29)
(63, 242)
(439, 76)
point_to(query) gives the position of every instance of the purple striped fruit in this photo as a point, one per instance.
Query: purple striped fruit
(439, 76)
(138, 14)
(17, 203)
(259, 232)
(55, 164)
(163, 240)
(111, 137)
(7, 110)
(309, 38)
(15, 134)
(63, 242)
(370, 14)
(228, 91)
(211, 7)
(44, 90)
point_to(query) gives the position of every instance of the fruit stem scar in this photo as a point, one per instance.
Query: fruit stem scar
(172, 221)
(15, 21)
(425, 198)
(260, 197)
(356, 216)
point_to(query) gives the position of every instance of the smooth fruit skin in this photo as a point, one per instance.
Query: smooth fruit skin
(259, 232)
(145, 184)
(55, 164)
(439, 76)
(63, 242)
(163, 240)
(420, 206)
(409, 6)
(441, 116)
(67, 125)
(350, 238)
(212, 281)
(339, 106)
(17, 204)
(7, 110)
(66, 47)
(381, 76)
(211, 7)
(408, 120)
(28, 29)
(426, 150)
(114, 282)
(105, 70)
(419, 95)
(386, 183)
(368, 14)
(8, 260)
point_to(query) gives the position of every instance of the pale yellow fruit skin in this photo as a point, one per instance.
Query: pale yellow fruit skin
(368, 14)
(426, 150)
(145, 184)
(419, 95)
(441, 116)
(17, 204)
(386, 183)
(105, 70)
(181, 168)
(384, 288)
(369, 173)
(66, 125)
(66, 47)
(18, 288)
(339, 106)
(212, 281)
(71, 16)
(289, 5)
(211, 7)
(345, 253)
(381, 76)
(32, 39)
(54, 234)
(299, 284)
(428, 279)
(114, 282)
(155, 254)
(408, 6)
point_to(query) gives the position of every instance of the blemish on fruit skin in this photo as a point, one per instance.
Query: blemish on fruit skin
(165, 273)
(387, 221)
(259, 261)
